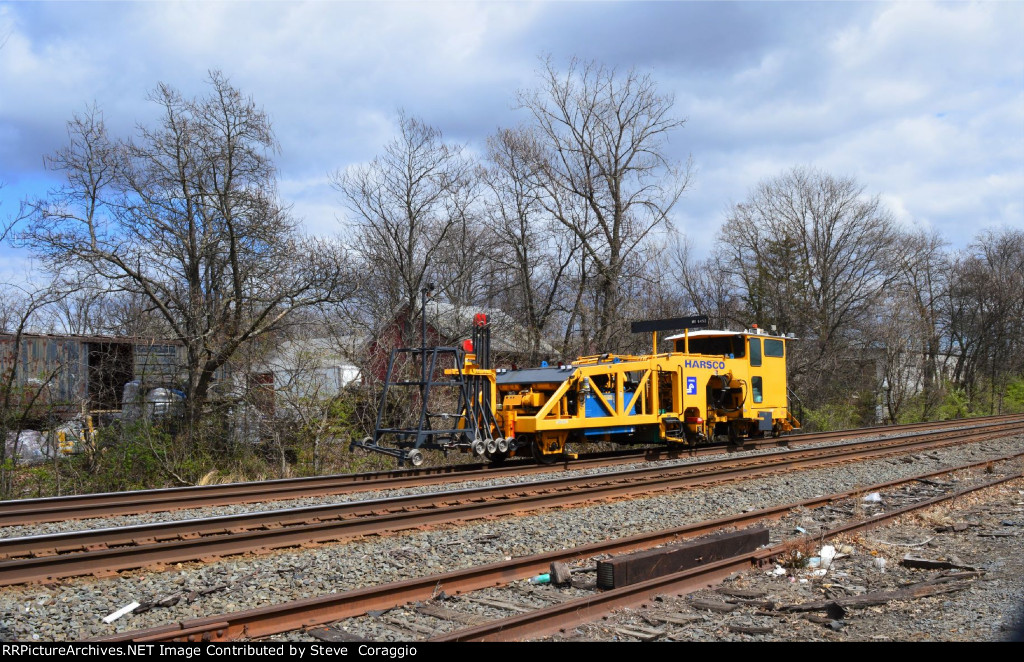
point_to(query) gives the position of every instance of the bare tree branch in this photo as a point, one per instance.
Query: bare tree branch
(602, 137)
(185, 216)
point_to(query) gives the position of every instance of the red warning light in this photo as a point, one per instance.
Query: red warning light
(480, 319)
(467, 346)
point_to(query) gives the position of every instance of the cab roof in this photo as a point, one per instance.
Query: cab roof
(712, 333)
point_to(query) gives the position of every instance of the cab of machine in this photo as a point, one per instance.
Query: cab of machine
(754, 358)
(732, 344)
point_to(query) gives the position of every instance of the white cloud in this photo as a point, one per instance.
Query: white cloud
(923, 103)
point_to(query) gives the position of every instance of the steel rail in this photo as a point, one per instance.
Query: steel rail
(55, 509)
(732, 468)
(180, 541)
(573, 613)
(293, 615)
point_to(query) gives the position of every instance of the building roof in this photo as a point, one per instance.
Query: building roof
(137, 340)
(313, 351)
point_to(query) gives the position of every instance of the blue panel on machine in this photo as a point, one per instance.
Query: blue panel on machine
(594, 409)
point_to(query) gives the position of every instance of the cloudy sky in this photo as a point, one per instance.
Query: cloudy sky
(922, 103)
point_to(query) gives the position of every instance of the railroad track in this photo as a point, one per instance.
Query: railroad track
(103, 551)
(573, 613)
(56, 509)
(290, 616)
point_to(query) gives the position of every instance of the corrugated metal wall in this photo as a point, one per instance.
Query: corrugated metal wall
(155, 361)
(62, 362)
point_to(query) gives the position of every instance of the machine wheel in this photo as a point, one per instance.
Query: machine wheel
(541, 457)
(734, 434)
(498, 458)
(776, 431)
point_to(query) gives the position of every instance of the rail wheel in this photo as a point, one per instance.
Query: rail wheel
(540, 455)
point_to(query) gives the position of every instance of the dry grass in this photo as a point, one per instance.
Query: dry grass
(216, 477)
(798, 557)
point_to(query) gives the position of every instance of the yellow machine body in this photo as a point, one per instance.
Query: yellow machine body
(725, 383)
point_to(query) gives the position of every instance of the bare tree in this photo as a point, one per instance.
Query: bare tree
(900, 336)
(465, 270)
(310, 406)
(407, 204)
(185, 216)
(813, 256)
(919, 292)
(90, 311)
(8, 223)
(985, 303)
(602, 143)
(538, 252)
(24, 396)
(706, 286)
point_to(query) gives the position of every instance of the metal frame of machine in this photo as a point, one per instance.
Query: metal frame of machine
(713, 383)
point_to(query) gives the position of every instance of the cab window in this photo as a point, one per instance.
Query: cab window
(773, 347)
(756, 389)
(755, 352)
(715, 346)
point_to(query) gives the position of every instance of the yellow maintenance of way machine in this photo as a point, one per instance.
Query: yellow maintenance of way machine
(729, 384)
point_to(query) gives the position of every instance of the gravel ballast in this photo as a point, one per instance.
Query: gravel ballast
(73, 609)
(118, 521)
(978, 532)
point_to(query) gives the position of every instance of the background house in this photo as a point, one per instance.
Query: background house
(324, 365)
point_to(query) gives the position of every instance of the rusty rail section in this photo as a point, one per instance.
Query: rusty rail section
(104, 551)
(285, 617)
(444, 506)
(573, 613)
(54, 509)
